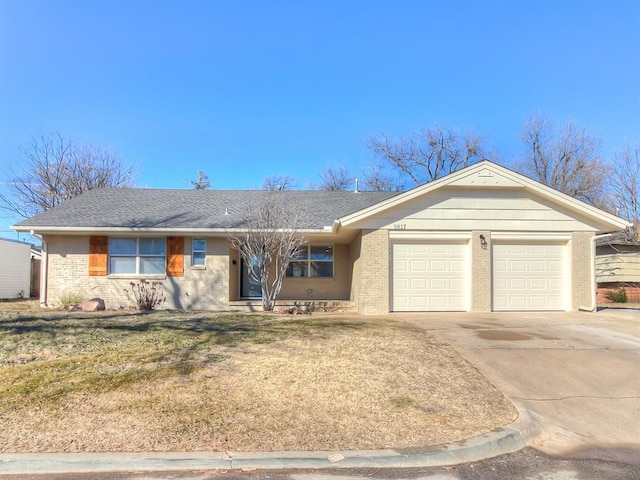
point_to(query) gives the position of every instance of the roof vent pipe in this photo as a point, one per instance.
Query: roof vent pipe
(356, 181)
(226, 211)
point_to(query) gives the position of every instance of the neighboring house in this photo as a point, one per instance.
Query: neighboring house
(618, 264)
(483, 238)
(15, 269)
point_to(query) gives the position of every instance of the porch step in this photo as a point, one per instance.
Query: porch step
(304, 306)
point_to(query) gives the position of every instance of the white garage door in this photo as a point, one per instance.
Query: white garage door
(429, 277)
(529, 277)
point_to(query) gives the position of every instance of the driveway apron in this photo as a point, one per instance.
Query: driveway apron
(577, 373)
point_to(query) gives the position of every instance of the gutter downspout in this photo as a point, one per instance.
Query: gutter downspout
(44, 268)
(594, 285)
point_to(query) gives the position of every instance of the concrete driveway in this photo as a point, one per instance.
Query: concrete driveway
(577, 373)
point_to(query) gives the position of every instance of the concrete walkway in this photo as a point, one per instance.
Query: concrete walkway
(575, 379)
(577, 374)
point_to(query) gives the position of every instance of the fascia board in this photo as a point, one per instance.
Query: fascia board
(221, 232)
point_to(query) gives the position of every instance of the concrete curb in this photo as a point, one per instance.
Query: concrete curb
(505, 440)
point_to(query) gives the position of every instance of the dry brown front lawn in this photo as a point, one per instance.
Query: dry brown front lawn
(177, 381)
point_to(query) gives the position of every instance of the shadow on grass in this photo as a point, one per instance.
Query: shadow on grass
(112, 350)
(220, 328)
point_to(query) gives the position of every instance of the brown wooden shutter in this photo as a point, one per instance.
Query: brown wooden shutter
(175, 256)
(98, 249)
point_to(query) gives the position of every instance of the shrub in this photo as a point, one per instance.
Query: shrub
(617, 296)
(69, 300)
(147, 295)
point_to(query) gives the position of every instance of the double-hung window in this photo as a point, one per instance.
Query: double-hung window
(314, 261)
(198, 252)
(138, 256)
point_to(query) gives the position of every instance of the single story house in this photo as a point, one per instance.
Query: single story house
(618, 264)
(16, 260)
(481, 239)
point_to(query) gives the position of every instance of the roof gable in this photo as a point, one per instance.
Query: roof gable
(487, 178)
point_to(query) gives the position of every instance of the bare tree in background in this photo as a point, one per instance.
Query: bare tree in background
(567, 160)
(376, 180)
(54, 169)
(434, 153)
(203, 181)
(271, 239)
(279, 182)
(626, 188)
(335, 178)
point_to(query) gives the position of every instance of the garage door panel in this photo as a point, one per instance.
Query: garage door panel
(435, 278)
(529, 277)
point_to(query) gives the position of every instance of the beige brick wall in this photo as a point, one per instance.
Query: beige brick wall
(200, 288)
(356, 268)
(582, 281)
(373, 295)
(481, 272)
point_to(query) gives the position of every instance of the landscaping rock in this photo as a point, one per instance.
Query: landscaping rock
(92, 305)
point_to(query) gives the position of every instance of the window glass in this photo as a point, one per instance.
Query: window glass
(152, 265)
(314, 261)
(137, 256)
(297, 269)
(152, 246)
(198, 258)
(323, 252)
(322, 269)
(122, 246)
(198, 252)
(199, 244)
(119, 265)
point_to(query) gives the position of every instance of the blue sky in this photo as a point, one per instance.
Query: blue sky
(247, 89)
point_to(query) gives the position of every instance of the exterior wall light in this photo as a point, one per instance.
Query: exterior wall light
(483, 242)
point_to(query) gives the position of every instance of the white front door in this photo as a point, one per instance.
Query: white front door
(529, 276)
(430, 276)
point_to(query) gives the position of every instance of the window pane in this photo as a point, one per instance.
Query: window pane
(152, 246)
(122, 246)
(297, 269)
(152, 265)
(303, 254)
(322, 269)
(322, 252)
(199, 244)
(122, 265)
(198, 258)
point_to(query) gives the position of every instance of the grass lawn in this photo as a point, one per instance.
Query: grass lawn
(191, 381)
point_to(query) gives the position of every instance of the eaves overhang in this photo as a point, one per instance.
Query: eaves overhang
(102, 230)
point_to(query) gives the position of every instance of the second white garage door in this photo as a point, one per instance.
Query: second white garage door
(429, 277)
(529, 276)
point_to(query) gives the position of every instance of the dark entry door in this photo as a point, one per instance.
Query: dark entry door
(249, 288)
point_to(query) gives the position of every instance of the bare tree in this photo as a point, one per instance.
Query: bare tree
(279, 182)
(54, 169)
(626, 188)
(376, 180)
(335, 178)
(271, 238)
(567, 159)
(203, 181)
(427, 156)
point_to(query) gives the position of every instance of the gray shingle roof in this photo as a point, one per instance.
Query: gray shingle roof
(160, 208)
